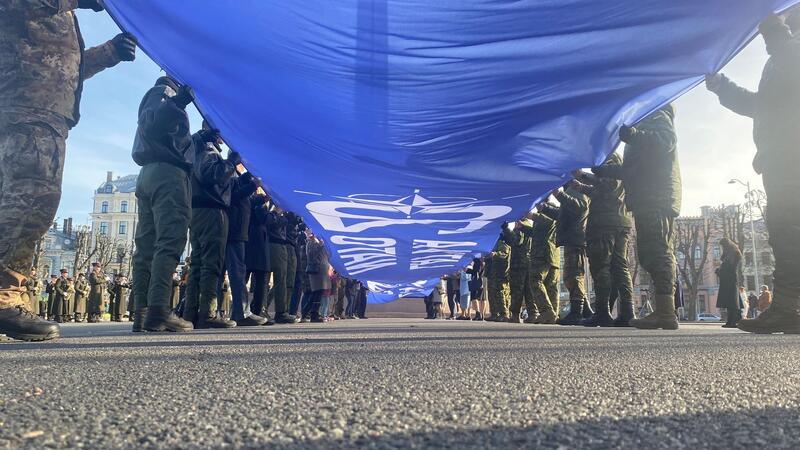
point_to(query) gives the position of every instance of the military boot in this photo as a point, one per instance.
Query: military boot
(601, 317)
(625, 314)
(587, 309)
(662, 318)
(547, 317)
(138, 320)
(17, 322)
(206, 320)
(163, 319)
(575, 315)
(783, 316)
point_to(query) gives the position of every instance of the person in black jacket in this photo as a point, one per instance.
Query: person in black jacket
(212, 185)
(244, 186)
(277, 224)
(163, 194)
(257, 255)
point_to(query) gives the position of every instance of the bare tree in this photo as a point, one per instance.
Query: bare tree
(38, 253)
(691, 245)
(105, 249)
(83, 249)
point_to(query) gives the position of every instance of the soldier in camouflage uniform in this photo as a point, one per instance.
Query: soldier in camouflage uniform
(652, 180)
(571, 235)
(519, 240)
(42, 68)
(607, 235)
(496, 271)
(97, 290)
(81, 295)
(33, 287)
(545, 267)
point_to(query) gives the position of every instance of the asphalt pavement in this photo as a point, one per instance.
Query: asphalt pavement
(391, 383)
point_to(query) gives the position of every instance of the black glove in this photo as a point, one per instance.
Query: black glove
(184, 96)
(246, 177)
(125, 45)
(235, 158)
(259, 200)
(626, 133)
(209, 136)
(94, 5)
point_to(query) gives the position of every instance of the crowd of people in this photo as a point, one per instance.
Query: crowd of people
(186, 187)
(596, 211)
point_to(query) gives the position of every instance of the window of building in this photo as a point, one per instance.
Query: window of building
(108, 189)
(123, 228)
(717, 252)
(123, 207)
(766, 258)
(701, 303)
(103, 228)
(748, 258)
(681, 256)
(104, 207)
(751, 283)
(698, 253)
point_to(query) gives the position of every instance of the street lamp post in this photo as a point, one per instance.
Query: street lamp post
(752, 229)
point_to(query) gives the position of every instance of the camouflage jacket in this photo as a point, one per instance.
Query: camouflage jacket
(42, 59)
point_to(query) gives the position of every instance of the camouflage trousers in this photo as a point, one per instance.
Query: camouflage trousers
(575, 272)
(521, 291)
(608, 262)
(654, 234)
(498, 297)
(545, 286)
(31, 166)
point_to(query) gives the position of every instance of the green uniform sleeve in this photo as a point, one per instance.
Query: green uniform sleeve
(655, 133)
(737, 99)
(571, 202)
(98, 59)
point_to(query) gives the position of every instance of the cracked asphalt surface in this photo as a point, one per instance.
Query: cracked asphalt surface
(399, 383)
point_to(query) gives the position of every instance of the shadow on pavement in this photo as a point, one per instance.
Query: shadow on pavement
(759, 428)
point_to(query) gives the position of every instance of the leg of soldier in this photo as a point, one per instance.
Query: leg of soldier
(291, 272)
(234, 263)
(506, 304)
(530, 304)
(539, 270)
(192, 300)
(297, 293)
(279, 263)
(517, 286)
(783, 211)
(573, 280)
(600, 251)
(163, 195)
(211, 225)
(260, 283)
(31, 166)
(621, 283)
(553, 290)
(654, 231)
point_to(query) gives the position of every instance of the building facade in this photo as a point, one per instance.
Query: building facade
(113, 217)
(58, 252)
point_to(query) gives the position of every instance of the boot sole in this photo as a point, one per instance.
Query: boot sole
(34, 337)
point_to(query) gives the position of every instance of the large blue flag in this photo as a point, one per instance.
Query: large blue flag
(406, 131)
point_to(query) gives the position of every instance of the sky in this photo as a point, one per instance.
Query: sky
(714, 144)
